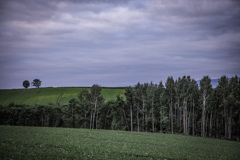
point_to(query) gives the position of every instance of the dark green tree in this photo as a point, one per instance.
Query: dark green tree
(151, 95)
(194, 101)
(160, 91)
(26, 84)
(84, 100)
(36, 83)
(170, 94)
(130, 100)
(205, 88)
(223, 92)
(72, 109)
(232, 106)
(138, 101)
(96, 99)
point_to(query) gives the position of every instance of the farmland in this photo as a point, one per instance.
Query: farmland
(67, 143)
(45, 96)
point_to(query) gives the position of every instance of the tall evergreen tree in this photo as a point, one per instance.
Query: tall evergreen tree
(232, 105)
(151, 95)
(194, 100)
(84, 100)
(72, 106)
(170, 92)
(130, 96)
(97, 98)
(205, 88)
(160, 104)
(223, 91)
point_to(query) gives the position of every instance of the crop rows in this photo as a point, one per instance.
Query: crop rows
(66, 143)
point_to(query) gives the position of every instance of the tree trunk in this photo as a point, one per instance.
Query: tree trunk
(97, 120)
(206, 125)
(171, 114)
(137, 118)
(131, 114)
(91, 119)
(160, 123)
(185, 116)
(193, 118)
(146, 123)
(225, 122)
(217, 121)
(189, 120)
(210, 125)
(94, 114)
(230, 125)
(124, 114)
(238, 128)
(143, 124)
(178, 115)
(85, 118)
(105, 122)
(203, 116)
(152, 117)
(184, 120)
(73, 125)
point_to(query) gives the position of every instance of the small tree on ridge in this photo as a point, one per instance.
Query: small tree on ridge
(36, 83)
(26, 84)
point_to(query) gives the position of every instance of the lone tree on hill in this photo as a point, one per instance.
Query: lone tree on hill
(26, 84)
(36, 83)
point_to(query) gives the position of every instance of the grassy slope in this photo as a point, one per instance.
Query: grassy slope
(50, 95)
(66, 143)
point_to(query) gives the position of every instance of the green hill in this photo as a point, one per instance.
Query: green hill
(67, 143)
(45, 96)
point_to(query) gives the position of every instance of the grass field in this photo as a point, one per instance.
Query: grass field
(45, 96)
(66, 143)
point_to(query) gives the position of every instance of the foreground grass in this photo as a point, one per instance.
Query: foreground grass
(64, 143)
(45, 96)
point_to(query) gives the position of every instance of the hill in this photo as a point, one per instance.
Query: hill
(45, 96)
(67, 143)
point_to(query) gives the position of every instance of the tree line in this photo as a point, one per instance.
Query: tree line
(178, 106)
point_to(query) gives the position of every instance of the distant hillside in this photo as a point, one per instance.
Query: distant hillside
(45, 96)
(214, 82)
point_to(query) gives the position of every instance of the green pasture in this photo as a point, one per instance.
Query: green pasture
(67, 143)
(45, 96)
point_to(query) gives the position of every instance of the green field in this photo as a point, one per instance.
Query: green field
(66, 143)
(45, 96)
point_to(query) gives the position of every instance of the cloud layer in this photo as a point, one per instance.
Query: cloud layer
(112, 43)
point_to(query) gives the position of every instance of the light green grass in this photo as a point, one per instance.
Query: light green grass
(65, 143)
(45, 96)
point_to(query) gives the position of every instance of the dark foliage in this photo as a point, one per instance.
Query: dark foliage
(180, 107)
(26, 84)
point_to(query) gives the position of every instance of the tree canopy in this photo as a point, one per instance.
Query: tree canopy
(36, 83)
(26, 84)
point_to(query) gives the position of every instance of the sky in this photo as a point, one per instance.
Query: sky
(117, 43)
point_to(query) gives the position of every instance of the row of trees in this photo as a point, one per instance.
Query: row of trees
(178, 106)
(72, 115)
(36, 83)
(184, 107)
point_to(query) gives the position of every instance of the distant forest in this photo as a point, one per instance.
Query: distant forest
(179, 106)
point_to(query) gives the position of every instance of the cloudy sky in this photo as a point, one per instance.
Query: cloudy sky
(117, 43)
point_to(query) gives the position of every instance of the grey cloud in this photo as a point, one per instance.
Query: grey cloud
(117, 43)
